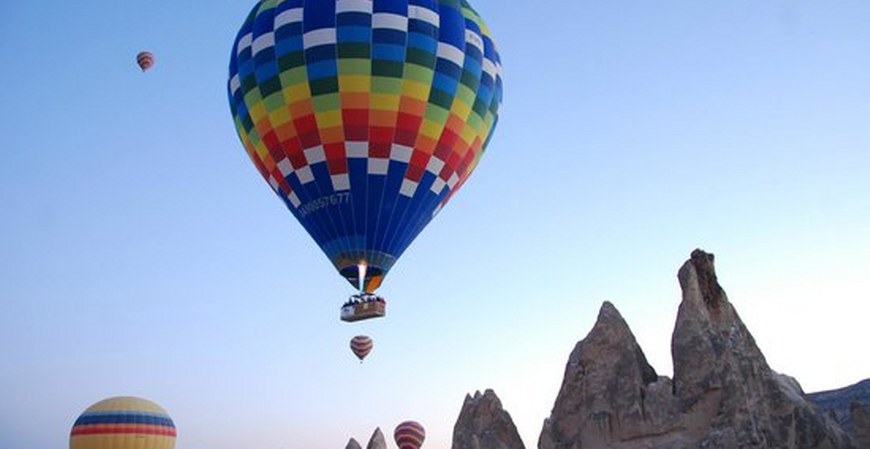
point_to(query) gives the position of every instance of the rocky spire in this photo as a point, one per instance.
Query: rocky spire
(484, 424)
(352, 444)
(709, 338)
(377, 441)
(722, 375)
(609, 393)
(723, 396)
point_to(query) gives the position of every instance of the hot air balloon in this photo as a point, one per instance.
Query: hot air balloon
(409, 435)
(145, 59)
(361, 345)
(364, 117)
(123, 423)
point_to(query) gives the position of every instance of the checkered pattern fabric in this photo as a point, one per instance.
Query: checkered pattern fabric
(364, 116)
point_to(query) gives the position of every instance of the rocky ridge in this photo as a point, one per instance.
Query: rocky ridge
(839, 402)
(723, 394)
(377, 441)
(484, 424)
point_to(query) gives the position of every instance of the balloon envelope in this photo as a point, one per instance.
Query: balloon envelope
(123, 423)
(145, 60)
(409, 435)
(361, 345)
(364, 117)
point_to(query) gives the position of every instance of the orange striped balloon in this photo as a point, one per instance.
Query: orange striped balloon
(145, 59)
(409, 435)
(361, 345)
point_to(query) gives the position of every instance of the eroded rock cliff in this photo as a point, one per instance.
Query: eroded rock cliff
(484, 424)
(861, 425)
(723, 395)
(839, 402)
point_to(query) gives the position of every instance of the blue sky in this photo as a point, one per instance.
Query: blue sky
(142, 254)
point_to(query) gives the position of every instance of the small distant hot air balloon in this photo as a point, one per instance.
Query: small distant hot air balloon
(361, 345)
(123, 423)
(409, 435)
(145, 59)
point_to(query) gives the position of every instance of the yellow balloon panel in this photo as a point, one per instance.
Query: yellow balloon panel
(127, 403)
(123, 423)
(122, 441)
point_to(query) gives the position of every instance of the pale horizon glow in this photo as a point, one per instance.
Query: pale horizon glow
(142, 254)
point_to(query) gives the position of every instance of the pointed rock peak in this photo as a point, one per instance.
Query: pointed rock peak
(353, 444)
(486, 393)
(705, 276)
(610, 330)
(377, 441)
(723, 395)
(608, 316)
(469, 398)
(608, 311)
(484, 424)
(609, 393)
(609, 340)
(488, 400)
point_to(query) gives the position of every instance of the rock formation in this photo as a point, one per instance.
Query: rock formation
(723, 395)
(484, 424)
(839, 402)
(718, 367)
(610, 395)
(861, 424)
(377, 441)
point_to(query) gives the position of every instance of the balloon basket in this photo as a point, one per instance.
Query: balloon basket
(363, 311)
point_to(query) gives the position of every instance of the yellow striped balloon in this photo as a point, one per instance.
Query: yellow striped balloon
(123, 423)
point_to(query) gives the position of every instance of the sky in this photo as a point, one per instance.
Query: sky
(142, 254)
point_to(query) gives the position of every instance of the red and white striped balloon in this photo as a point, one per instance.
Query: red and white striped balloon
(145, 59)
(409, 435)
(361, 345)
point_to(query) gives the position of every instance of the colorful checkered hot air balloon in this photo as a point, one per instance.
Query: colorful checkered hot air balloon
(364, 116)
(361, 345)
(409, 435)
(123, 423)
